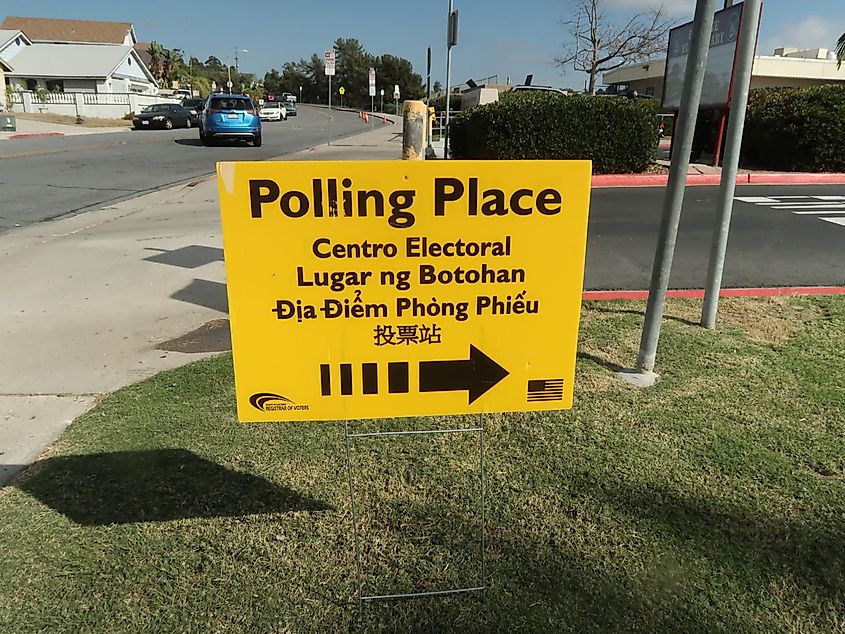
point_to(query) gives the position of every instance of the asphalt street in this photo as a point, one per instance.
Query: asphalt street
(47, 178)
(780, 236)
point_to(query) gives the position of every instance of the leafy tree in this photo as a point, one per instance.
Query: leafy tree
(598, 45)
(273, 82)
(392, 71)
(353, 65)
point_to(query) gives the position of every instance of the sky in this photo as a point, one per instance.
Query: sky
(497, 37)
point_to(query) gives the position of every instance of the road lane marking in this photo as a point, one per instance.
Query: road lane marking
(803, 205)
(837, 221)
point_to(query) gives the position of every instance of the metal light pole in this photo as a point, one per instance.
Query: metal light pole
(451, 40)
(727, 186)
(674, 197)
(300, 94)
(381, 108)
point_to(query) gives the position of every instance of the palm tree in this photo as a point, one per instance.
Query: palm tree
(840, 51)
(156, 58)
(168, 61)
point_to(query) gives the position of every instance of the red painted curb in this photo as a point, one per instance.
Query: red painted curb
(35, 135)
(698, 293)
(660, 180)
(796, 178)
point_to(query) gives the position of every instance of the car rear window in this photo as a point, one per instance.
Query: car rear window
(230, 103)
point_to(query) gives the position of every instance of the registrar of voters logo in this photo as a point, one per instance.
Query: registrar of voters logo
(272, 402)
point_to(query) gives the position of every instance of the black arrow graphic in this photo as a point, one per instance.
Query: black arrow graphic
(477, 374)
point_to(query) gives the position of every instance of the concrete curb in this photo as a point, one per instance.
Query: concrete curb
(698, 293)
(34, 135)
(660, 180)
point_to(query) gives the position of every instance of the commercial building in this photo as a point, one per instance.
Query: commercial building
(786, 67)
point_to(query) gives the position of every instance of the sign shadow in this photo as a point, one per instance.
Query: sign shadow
(204, 293)
(157, 485)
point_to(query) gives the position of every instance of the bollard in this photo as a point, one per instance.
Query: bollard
(413, 131)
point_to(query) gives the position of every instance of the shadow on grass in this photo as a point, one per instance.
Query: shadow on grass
(596, 307)
(605, 363)
(810, 549)
(154, 486)
(540, 582)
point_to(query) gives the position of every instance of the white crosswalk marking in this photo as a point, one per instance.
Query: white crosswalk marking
(837, 221)
(803, 205)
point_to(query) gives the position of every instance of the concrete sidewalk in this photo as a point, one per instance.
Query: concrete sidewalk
(93, 300)
(27, 128)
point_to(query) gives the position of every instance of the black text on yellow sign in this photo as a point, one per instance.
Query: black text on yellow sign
(381, 289)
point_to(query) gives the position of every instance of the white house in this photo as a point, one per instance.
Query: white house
(98, 68)
(4, 68)
(73, 56)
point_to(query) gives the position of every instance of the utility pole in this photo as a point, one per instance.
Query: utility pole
(674, 196)
(727, 186)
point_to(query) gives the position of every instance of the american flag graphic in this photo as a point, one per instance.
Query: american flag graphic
(545, 390)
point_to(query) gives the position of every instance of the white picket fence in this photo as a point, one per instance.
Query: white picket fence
(111, 105)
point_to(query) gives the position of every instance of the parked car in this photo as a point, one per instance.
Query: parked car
(230, 116)
(273, 111)
(162, 115)
(194, 106)
(290, 106)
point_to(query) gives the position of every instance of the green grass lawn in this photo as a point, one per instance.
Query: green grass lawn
(713, 502)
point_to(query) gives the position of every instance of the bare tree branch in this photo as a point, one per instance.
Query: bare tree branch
(598, 45)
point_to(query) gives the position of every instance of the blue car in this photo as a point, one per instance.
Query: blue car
(230, 117)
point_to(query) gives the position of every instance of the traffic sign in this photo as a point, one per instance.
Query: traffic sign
(372, 82)
(381, 289)
(396, 91)
(342, 90)
(329, 61)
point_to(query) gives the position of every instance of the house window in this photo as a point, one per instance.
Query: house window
(18, 41)
(31, 84)
(649, 91)
(55, 85)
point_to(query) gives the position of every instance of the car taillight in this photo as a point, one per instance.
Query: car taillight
(252, 112)
(211, 111)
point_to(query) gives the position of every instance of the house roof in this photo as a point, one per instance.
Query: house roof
(55, 30)
(143, 49)
(4, 66)
(7, 35)
(72, 60)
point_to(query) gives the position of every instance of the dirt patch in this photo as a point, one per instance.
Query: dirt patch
(212, 336)
(88, 122)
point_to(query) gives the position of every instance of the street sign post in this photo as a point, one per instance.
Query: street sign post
(372, 91)
(382, 289)
(341, 91)
(396, 97)
(329, 62)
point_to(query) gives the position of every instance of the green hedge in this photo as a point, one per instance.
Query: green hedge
(619, 135)
(796, 129)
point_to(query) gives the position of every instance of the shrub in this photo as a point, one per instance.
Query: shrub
(619, 135)
(796, 129)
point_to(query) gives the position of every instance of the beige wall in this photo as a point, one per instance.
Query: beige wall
(2, 88)
(767, 72)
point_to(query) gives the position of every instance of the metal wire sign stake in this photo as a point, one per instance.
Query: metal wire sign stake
(480, 585)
